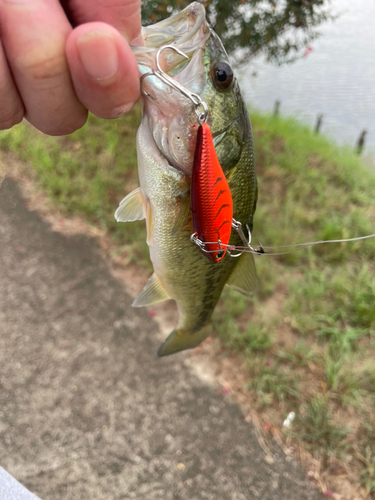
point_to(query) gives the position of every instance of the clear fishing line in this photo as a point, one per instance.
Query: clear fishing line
(247, 248)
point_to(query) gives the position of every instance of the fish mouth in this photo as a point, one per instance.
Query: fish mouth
(181, 28)
(167, 111)
(188, 31)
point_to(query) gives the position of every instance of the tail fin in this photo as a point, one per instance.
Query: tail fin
(179, 340)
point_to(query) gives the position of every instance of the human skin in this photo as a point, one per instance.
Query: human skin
(59, 60)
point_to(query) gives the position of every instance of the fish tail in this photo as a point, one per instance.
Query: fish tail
(180, 339)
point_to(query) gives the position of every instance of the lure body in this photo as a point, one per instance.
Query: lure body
(211, 199)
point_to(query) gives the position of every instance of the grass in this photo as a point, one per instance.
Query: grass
(308, 339)
(316, 427)
(315, 310)
(88, 173)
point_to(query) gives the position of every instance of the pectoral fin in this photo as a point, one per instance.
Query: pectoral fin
(183, 214)
(131, 208)
(179, 340)
(152, 293)
(244, 277)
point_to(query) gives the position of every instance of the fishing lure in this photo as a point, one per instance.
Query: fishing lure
(211, 199)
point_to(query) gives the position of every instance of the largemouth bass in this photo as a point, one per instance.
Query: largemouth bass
(166, 142)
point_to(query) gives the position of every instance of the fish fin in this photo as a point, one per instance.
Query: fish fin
(131, 207)
(179, 340)
(152, 293)
(244, 278)
(183, 214)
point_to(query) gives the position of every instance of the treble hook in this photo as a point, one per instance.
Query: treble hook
(247, 242)
(200, 107)
(230, 248)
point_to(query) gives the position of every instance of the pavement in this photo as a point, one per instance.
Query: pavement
(87, 410)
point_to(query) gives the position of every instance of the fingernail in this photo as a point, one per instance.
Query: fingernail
(98, 54)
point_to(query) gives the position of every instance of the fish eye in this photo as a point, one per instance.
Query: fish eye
(222, 75)
(220, 254)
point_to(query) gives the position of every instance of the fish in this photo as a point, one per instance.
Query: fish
(166, 145)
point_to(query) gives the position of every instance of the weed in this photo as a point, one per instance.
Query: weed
(366, 453)
(368, 472)
(315, 426)
(251, 340)
(301, 354)
(272, 383)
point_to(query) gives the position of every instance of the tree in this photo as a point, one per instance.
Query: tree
(279, 29)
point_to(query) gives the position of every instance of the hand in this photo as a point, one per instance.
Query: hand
(51, 74)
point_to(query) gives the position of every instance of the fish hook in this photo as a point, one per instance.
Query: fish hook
(200, 107)
(247, 243)
(230, 248)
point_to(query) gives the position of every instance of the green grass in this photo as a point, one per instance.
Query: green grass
(308, 339)
(367, 454)
(316, 427)
(88, 173)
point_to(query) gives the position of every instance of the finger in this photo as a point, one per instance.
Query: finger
(34, 34)
(124, 15)
(104, 70)
(11, 107)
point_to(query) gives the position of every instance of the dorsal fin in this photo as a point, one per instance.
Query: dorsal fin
(152, 293)
(244, 276)
(131, 207)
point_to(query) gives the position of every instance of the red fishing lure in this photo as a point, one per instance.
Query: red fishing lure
(211, 199)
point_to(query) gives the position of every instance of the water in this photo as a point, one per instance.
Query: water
(337, 78)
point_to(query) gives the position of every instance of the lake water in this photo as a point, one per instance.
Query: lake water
(337, 78)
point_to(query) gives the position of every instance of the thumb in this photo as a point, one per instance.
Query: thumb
(124, 15)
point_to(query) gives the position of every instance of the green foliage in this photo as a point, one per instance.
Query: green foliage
(315, 426)
(367, 454)
(279, 29)
(272, 383)
(299, 355)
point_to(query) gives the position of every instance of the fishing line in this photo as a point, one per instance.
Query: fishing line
(247, 248)
(319, 242)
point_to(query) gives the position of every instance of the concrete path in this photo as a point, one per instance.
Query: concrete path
(87, 411)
